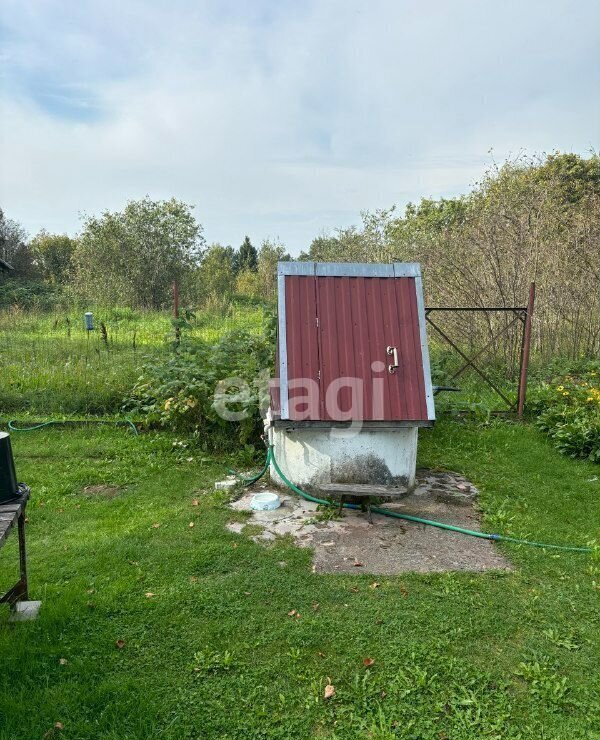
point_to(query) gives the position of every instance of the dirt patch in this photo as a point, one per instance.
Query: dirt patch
(351, 544)
(105, 490)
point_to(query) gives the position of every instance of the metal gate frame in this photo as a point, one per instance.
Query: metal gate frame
(523, 314)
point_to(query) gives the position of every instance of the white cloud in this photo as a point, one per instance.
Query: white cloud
(283, 118)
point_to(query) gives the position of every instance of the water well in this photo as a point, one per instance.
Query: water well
(353, 379)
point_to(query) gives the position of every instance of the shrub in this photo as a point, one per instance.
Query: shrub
(29, 294)
(185, 391)
(568, 411)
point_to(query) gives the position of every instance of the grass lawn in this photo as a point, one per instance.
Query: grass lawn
(213, 653)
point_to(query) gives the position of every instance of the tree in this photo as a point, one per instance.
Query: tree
(133, 256)
(371, 243)
(270, 253)
(14, 247)
(247, 257)
(53, 255)
(216, 278)
(530, 219)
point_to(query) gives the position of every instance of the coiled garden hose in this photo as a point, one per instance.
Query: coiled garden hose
(57, 422)
(406, 517)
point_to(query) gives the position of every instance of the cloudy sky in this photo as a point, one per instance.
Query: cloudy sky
(282, 118)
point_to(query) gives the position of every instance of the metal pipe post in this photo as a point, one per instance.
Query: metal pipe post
(525, 351)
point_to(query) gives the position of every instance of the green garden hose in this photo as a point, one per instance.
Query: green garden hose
(56, 422)
(408, 517)
(254, 478)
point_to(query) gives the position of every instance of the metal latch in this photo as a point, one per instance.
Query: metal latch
(394, 352)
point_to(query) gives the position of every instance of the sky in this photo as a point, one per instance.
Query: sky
(279, 118)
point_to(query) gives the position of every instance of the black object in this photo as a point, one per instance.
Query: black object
(9, 487)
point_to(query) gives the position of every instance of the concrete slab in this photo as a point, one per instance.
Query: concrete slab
(226, 485)
(25, 611)
(388, 546)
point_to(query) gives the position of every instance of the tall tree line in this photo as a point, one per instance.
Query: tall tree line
(530, 220)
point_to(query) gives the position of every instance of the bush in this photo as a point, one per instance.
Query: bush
(568, 411)
(185, 393)
(29, 294)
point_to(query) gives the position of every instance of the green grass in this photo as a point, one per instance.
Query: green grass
(214, 654)
(49, 364)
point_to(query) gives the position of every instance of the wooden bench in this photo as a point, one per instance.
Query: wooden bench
(11, 513)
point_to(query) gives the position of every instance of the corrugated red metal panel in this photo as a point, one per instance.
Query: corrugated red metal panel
(338, 329)
(302, 347)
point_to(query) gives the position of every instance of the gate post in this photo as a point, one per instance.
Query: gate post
(525, 352)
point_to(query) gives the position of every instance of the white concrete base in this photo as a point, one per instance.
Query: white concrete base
(25, 611)
(315, 456)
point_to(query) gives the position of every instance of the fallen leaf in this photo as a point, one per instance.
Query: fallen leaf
(315, 606)
(156, 525)
(195, 502)
(383, 695)
(320, 654)
(375, 585)
(91, 591)
(292, 613)
(194, 579)
(59, 726)
(120, 644)
(354, 589)
(191, 524)
(298, 615)
(403, 591)
(368, 662)
(26, 520)
(148, 594)
(63, 661)
(329, 691)
(234, 544)
(248, 593)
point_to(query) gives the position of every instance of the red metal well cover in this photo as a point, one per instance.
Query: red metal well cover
(352, 343)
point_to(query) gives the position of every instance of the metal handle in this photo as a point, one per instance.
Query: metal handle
(393, 351)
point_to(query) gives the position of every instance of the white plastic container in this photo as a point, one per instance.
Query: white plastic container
(265, 502)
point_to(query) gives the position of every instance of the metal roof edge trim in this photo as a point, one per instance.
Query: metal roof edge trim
(425, 350)
(350, 269)
(282, 340)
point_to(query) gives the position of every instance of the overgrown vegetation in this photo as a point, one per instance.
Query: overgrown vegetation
(532, 219)
(50, 365)
(568, 409)
(213, 392)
